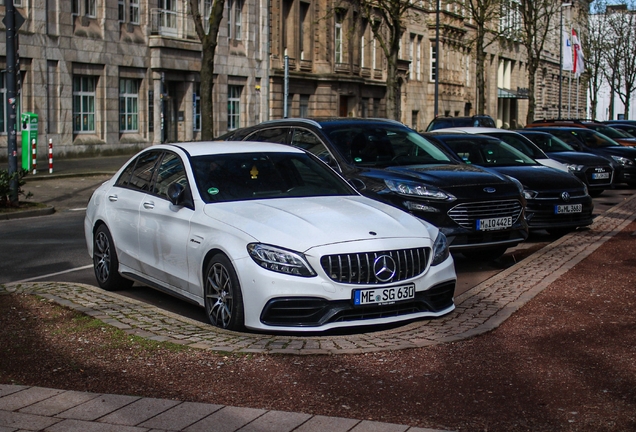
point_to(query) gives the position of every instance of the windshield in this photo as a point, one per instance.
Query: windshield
(610, 131)
(489, 152)
(521, 144)
(381, 146)
(594, 139)
(549, 143)
(245, 176)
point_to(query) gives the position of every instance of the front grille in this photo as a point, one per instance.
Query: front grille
(314, 312)
(466, 214)
(358, 268)
(589, 174)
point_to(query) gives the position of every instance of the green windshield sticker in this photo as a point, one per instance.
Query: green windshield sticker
(213, 191)
(358, 159)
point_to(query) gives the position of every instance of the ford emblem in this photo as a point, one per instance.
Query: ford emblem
(490, 190)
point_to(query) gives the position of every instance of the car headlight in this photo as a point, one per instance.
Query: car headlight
(575, 168)
(623, 160)
(419, 190)
(530, 194)
(440, 249)
(280, 260)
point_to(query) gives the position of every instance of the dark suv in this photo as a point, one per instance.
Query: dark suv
(623, 138)
(452, 122)
(481, 213)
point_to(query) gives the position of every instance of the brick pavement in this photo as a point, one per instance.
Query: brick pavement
(478, 310)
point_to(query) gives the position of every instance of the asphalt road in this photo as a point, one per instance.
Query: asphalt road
(53, 248)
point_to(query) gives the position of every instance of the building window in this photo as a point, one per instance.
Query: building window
(3, 104)
(207, 9)
(433, 61)
(134, 11)
(305, 31)
(121, 10)
(418, 59)
(338, 37)
(75, 7)
(91, 8)
(414, 120)
(151, 111)
(412, 56)
(128, 105)
(196, 109)
(234, 19)
(304, 106)
(233, 107)
(168, 15)
(84, 103)
(374, 54)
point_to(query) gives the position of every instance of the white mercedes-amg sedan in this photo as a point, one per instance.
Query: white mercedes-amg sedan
(265, 237)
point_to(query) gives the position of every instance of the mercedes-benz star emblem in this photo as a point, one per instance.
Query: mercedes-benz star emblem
(565, 196)
(490, 190)
(384, 268)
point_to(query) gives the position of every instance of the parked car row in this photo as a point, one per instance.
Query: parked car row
(312, 225)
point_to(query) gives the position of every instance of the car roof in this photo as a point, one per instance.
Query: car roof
(320, 121)
(475, 130)
(224, 147)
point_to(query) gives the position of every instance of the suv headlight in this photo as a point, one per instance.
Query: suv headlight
(575, 167)
(440, 249)
(280, 260)
(419, 190)
(622, 160)
(530, 194)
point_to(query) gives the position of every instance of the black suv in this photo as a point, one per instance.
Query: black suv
(453, 122)
(590, 141)
(481, 213)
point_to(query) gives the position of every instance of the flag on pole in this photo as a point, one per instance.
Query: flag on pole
(566, 55)
(579, 66)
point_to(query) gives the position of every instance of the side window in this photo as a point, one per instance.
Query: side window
(170, 171)
(307, 140)
(140, 172)
(274, 135)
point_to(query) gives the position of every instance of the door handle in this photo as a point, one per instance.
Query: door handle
(112, 198)
(149, 205)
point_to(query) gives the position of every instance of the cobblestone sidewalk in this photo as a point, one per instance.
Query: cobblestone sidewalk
(478, 310)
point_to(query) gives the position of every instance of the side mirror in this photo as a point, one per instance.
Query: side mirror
(176, 194)
(357, 184)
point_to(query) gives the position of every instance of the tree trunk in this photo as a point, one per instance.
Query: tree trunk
(533, 66)
(480, 57)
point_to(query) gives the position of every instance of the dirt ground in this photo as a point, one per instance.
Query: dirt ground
(565, 362)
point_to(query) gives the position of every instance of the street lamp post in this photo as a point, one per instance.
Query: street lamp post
(437, 58)
(561, 54)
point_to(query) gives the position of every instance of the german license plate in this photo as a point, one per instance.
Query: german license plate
(568, 208)
(492, 224)
(383, 295)
(600, 176)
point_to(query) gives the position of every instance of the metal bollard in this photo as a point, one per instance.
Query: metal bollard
(34, 156)
(50, 156)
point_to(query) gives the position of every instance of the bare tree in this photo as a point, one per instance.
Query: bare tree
(621, 55)
(538, 17)
(387, 20)
(208, 50)
(597, 44)
(485, 16)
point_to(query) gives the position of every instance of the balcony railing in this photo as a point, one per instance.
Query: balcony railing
(174, 24)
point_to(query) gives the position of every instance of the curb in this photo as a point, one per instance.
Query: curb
(49, 210)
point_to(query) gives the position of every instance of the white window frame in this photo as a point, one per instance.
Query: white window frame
(91, 8)
(76, 7)
(338, 37)
(135, 11)
(121, 10)
(418, 59)
(129, 101)
(85, 97)
(234, 107)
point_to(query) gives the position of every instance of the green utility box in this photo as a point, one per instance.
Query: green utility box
(29, 133)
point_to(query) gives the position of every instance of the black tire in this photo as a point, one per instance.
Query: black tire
(105, 262)
(596, 192)
(223, 296)
(489, 254)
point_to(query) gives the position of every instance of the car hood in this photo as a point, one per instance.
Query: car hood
(303, 223)
(445, 176)
(618, 151)
(579, 158)
(539, 177)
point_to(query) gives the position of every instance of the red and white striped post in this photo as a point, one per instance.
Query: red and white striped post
(34, 158)
(50, 156)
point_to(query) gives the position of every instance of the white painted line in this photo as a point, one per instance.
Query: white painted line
(54, 274)
(78, 209)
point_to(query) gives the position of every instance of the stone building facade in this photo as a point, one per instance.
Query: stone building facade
(121, 74)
